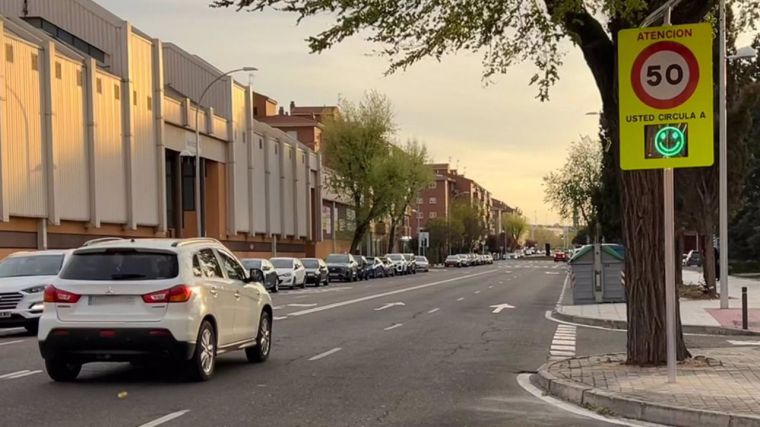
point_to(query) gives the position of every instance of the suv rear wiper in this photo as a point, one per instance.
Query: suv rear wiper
(126, 276)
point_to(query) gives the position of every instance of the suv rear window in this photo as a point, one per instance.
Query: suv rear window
(310, 263)
(121, 265)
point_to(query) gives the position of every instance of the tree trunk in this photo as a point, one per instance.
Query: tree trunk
(645, 271)
(678, 255)
(359, 232)
(392, 236)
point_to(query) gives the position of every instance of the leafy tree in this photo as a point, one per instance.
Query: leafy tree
(410, 176)
(471, 218)
(510, 31)
(571, 189)
(515, 225)
(356, 146)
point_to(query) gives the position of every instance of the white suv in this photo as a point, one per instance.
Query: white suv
(125, 300)
(23, 277)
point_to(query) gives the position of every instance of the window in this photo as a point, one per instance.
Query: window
(116, 94)
(134, 98)
(261, 144)
(420, 215)
(432, 185)
(231, 267)
(79, 78)
(120, 264)
(255, 111)
(420, 200)
(206, 265)
(275, 149)
(99, 85)
(35, 62)
(433, 215)
(58, 70)
(188, 184)
(150, 103)
(67, 37)
(432, 200)
(32, 265)
(9, 52)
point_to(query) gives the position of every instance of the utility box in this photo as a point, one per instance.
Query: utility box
(596, 274)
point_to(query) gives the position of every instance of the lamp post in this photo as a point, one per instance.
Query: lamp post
(198, 210)
(745, 52)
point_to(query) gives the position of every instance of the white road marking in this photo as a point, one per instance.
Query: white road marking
(524, 381)
(561, 353)
(325, 354)
(10, 342)
(278, 307)
(563, 343)
(735, 342)
(21, 375)
(280, 317)
(385, 294)
(301, 305)
(490, 287)
(433, 310)
(499, 307)
(553, 273)
(13, 374)
(477, 292)
(383, 307)
(394, 326)
(564, 347)
(166, 418)
(460, 298)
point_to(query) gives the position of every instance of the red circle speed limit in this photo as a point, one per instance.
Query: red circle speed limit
(665, 75)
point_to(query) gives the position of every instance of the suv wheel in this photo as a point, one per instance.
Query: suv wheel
(260, 352)
(201, 366)
(62, 370)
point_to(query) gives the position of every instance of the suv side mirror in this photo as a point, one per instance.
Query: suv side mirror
(256, 275)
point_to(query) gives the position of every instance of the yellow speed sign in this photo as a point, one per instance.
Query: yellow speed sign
(666, 97)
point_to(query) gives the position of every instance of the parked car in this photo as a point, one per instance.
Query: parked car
(342, 267)
(560, 256)
(453, 261)
(271, 279)
(316, 271)
(388, 267)
(466, 260)
(399, 263)
(488, 258)
(23, 277)
(364, 267)
(127, 300)
(694, 258)
(376, 268)
(422, 263)
(411, 264)
(290, 271)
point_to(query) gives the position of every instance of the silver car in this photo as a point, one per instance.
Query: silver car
(422, 263)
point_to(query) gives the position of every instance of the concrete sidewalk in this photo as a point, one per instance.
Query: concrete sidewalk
(697, 315)
(721, 387)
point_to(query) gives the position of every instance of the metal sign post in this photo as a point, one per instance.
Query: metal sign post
(666, 119)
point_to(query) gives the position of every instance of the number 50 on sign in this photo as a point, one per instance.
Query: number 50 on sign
(666, 97)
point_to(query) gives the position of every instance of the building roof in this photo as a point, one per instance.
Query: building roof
(309, 110)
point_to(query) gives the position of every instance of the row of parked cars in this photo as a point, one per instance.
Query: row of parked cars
(468, 260)
(298, 272)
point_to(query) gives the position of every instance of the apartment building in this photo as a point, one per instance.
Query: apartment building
(98, 128)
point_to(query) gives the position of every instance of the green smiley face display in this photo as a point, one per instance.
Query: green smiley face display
(669, 141)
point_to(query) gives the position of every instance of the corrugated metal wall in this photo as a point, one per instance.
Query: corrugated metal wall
(183, 73)
(144, 149)
(259, 183)
(287, 189)
(26, 168)
(111, 193)
(70, 151)
(240, 154)
(303, 207)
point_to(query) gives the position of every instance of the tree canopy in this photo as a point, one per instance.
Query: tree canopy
(515, 225)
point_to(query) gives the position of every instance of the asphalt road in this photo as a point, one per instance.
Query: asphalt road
(422, 350)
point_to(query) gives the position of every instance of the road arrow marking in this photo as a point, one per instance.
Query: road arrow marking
(389, 305)
(301, 305)
(734, 342)
(498, 308)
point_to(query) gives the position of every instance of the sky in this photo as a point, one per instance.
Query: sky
(498, 134)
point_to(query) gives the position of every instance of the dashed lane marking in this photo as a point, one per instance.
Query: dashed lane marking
(325, 354)
(166, 418)
(460, 298)
(280, 317)
(397, 325)
(433, 310)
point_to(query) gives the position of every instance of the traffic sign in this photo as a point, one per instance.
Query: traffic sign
(666, 97)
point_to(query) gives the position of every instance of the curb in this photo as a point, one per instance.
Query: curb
(623, 325)
(593, 398)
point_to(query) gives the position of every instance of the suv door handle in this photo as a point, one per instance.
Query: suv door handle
(237, 294)
(213, 291)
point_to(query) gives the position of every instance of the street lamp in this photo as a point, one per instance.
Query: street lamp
(198, 210)
(744, 52)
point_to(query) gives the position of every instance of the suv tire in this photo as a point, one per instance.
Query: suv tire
(260, 352)
(201, 366)
(62, 370)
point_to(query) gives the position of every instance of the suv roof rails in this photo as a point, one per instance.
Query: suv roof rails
(101, 240)
(192, 240)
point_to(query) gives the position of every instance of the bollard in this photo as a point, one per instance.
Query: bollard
(744, 307)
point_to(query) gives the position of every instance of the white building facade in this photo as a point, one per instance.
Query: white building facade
(97, 137)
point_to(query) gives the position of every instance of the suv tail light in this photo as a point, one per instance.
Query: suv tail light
(179, 293)
(53, 294)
